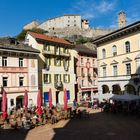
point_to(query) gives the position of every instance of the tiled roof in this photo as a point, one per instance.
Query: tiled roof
(49, 38)
(84, 50)
(12, 44)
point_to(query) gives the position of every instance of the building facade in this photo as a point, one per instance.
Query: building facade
(61, 22)
(18, 72)
(86, 73)
(118, 56)
(56, 66)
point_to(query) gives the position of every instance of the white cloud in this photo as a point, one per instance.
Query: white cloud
(105, 6)
(90, 9)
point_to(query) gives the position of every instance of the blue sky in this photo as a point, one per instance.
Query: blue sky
(14, 14)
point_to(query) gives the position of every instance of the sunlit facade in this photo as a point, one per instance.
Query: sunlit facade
(118, 56)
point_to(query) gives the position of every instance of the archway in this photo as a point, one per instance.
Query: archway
(116, 89)
(105, 89)
(129, 89)
(19, 101)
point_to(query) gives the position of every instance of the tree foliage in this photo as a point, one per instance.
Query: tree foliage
(82, 40)
(22, 34)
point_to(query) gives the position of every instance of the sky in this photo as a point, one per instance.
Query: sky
(14, 14)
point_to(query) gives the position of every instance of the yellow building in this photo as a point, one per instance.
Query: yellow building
(56, 66)
(118, 55)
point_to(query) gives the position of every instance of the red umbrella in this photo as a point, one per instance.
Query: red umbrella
(39, 110)
(65, 99)
(50, 98)
(4, 105)
(25, 100)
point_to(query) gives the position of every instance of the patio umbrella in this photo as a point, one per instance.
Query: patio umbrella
(50, 98)
(25, 100)
(65, 99)
(4, 105)
(39, 110)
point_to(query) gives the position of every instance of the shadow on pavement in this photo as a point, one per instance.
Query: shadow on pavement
(100, 126)
(12, 134)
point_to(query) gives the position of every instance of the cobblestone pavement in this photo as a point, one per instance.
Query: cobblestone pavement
(99, 126)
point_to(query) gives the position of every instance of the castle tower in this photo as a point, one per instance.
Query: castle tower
(121, 19)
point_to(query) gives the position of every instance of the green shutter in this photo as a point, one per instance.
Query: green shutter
(50, 80)
(64, 78)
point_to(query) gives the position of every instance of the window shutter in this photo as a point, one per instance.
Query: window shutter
(50, 78)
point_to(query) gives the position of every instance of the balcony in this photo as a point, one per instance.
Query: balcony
(58, 85)
(66, 68)
(46, 52)
(65, 54)
(13, 69)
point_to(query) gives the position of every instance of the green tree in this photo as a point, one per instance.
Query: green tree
(22, 34)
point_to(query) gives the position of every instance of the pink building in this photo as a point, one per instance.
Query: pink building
(18, 72)
(86, 71)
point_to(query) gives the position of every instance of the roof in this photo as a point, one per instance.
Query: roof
(118, 33)
(81, 49)
(49, 38)
(12, 44)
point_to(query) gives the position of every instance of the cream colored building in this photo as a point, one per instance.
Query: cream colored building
(118, 56)
(56, 66)
(18, 72)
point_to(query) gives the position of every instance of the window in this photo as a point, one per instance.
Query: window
(82, 61)
(57, 78)
(115, 70)
(46, 47)
(20, 62)
(82, 83)
(11, 102)
(65, 50)
(57, 50)
(5, 81)
(104, 71)
(20, 81)
(104, 53)
(127, 46)
(114, 50)
(66, 78)
(4, 61)
(66, 62)
(47, 61)
(82, 72)
(57, 61)
(128, 69)
(47, 78)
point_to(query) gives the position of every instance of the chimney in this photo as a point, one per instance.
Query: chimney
(121, 20)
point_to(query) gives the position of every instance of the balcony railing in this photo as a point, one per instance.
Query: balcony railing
(50, 52)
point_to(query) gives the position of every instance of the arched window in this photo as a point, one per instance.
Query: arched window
(114, 50)
(127, 46)
(104, 53)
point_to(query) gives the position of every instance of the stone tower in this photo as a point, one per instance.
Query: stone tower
(121, 19)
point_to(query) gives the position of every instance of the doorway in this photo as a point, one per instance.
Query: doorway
(57, 97)
(19, 101)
